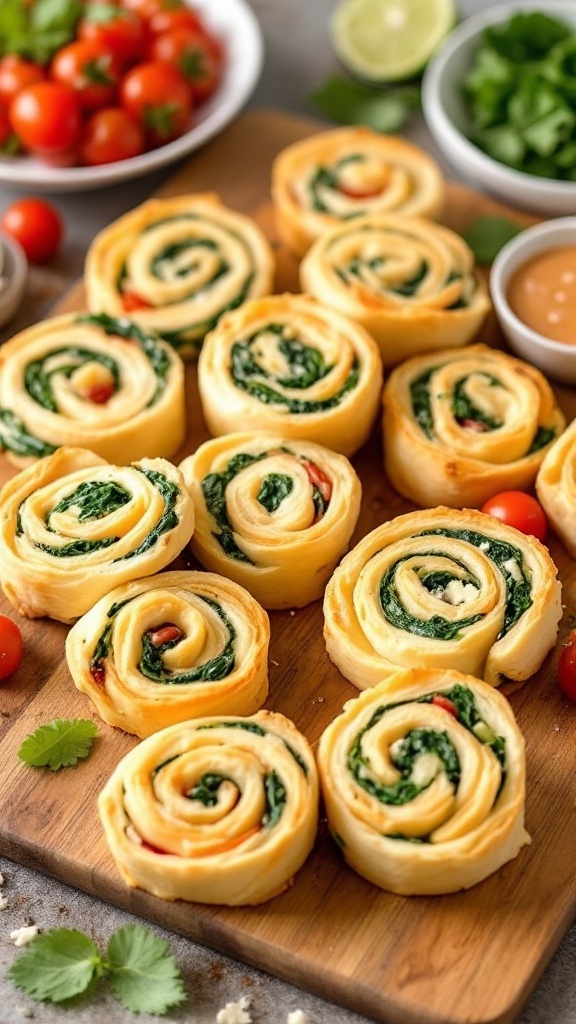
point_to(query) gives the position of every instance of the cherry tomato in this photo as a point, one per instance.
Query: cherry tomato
(146, 9)
(191, 52)
(110, 135)
(445, 703)
(566, 668)
(36, 224)
(46, 117)
(11, 647)
(15, 74)
(157, 97)
(90, 69)
(515, 508)
(119, 30)
(167, 18)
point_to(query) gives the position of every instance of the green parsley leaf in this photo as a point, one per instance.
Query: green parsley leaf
(57, 965)
(58, 744)
(348, 102)
(38, 29)
(487, 235)
(144, 975)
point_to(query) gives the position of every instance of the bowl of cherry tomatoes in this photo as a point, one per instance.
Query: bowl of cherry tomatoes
(132, 85)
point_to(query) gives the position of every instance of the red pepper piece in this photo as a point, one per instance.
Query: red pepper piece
(359, 193)
(475, 425)
(100, 393)
(131, 300)
(319, 479)
(164, 634)
(444, 702)
(98, 673)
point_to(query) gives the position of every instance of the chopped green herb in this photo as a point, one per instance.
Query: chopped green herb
(487, 235)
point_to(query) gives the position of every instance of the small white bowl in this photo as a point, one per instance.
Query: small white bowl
(555, 358)
(13, 274)
(446, 116)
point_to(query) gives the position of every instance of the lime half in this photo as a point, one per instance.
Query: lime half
(388, 40)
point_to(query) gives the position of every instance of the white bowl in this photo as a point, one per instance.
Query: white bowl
(555, 358)
(234, 22)
(13, 274)
(446, 116)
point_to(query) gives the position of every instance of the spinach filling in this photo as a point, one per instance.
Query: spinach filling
(206, 789)
(258, 731)
(151, 662)
(38, 379)
(273, 490)
(464, 409)
(437, 627)
(168, 520)
(159, 359)
(326, 178)
(14, 437)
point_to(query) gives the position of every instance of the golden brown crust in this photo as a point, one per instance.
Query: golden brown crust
(556, 487)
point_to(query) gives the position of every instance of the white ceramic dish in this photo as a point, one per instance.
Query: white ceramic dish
(554, 358)
(234, 22)
(13, 274)
(447, 119)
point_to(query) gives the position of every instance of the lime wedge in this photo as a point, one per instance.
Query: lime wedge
(388, 40)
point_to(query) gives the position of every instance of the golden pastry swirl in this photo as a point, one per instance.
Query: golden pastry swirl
(219, 810)
(556, 487)
(289, 364)
(176, 265)
(442, 589)
(346, 172)
(170, 647)
(73, 527)
(461, 426)
(423, 779)
(408, 281)
(272, 513)
(93, 381)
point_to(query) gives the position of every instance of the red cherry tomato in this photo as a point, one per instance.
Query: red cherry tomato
(11, 647)
(158, 98)
(515, 508)
(118, 29)
(191, 52)
(444, 702)
(36, 224)
(167, 18)
(566, 668)
(46, 117)
(15, 74)
(92, 71)
(110, 135)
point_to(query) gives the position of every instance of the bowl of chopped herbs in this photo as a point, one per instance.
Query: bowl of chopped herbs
(500, 100)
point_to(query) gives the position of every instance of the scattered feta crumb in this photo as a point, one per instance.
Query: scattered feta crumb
(22, 936)
(292, 612)
(4, 901)
(25, 1011)
(514, 569)
(484, 546)
(298, 1017)
(272, 662)
(1, 878)
(396, 749)
(235, 1013)
(458, 592)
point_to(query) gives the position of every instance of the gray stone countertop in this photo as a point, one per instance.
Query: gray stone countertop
(298, 59)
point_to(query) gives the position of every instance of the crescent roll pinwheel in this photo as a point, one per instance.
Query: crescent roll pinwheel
(442, 589)
(408, 281)
(91, 381)
(556, 487)
(170, 647)
(73, 527)
(175, 265)
(288, 364)
(217, 810)
(272, 513)
(460, 426)
(423, 779)
(344, 172)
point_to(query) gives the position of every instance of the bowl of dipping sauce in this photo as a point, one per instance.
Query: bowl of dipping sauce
(533, 288)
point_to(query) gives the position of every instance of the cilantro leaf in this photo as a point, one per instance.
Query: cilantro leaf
(57, 965)
(37, 30)
(487, 235)
(58, 744)
(144, 975)
(348, 102)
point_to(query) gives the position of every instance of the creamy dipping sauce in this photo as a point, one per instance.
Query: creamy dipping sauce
(542, 293)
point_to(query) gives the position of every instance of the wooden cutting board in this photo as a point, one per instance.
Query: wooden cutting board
(473, 956)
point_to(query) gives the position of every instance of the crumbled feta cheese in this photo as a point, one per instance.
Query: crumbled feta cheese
(396, 749)
(235, 1013)
(513, 568)
(298, 1017)
(484, 546)
(458, 592)
(22, 936)
(426, 767)
(4, 901)
(1, 878)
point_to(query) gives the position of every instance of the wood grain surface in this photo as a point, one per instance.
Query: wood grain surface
(472, 956)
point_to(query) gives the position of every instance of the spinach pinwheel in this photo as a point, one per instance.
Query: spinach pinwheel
(408, 281)
(272, 513)
(218, 810)
(556, 487)
(178, 645)
(442, 589)
(73, 527)
(460, 426)
(176, 265)
(289, 364)
(423, 778)
(93, 381)
(344, 172)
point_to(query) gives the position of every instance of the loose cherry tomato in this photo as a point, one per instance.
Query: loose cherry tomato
(15, 74)
(118, 29)
(167, 18)
(90, 69)
(192, 53)
(110, 135)
(515, 508)
(157, 97)
(566, 668)
(11, 647)
(36, 224)
(46, 117)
